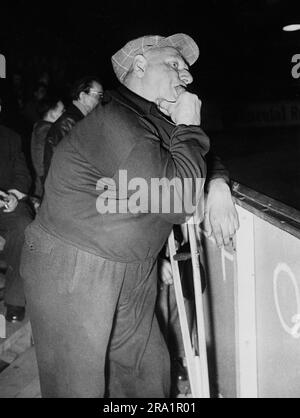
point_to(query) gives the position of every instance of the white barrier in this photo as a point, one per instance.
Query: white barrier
(253, 303)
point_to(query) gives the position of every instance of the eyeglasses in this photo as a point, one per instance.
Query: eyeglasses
(96, 93)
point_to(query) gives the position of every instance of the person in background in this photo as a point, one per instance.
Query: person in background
(15, 214)
(31, 107)
(85, 95)
(13, 103)
(50, 109)
(166, 308)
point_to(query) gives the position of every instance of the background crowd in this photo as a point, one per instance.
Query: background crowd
(38, 106)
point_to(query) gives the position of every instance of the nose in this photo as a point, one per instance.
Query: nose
(186, 76)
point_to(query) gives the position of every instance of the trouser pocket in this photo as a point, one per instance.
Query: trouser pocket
(37, 251)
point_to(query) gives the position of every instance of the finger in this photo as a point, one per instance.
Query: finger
(170, 274)
(164, 105)
(217, 233)
(166, 268)
(161, 102)
(170, 281)
(167, 278)
(207, 226)
(224, 228)
(12, 204)
(236, 222)
(226, 238)
(164, 111)
(10, 200)
(167, 251)
(232, 228)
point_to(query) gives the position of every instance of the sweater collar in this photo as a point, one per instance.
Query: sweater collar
(130, 99)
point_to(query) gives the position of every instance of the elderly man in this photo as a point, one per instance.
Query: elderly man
(89, 261)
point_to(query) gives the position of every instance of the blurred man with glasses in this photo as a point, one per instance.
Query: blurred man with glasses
(85, 95)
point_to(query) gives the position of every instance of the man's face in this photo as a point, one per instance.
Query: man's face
(166, 75)
(92, 98)
(40, 93)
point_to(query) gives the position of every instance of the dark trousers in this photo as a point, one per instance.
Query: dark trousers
(93, 322)
(12, 226)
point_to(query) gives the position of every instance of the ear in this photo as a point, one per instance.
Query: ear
(139, 65)
(81, 96)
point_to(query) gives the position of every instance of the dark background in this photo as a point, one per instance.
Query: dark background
(244, 52)
(245, 57)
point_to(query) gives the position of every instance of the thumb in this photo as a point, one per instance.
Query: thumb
(164, 106)
(207, 225)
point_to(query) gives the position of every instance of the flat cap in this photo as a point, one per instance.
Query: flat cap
(123, 59)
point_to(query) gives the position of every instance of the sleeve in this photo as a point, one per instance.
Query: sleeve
(55, 135)
(38, 138)
(21, 175)
(216, 168)
(167, 182)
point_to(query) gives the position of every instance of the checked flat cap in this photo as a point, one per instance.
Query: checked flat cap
(123, 59)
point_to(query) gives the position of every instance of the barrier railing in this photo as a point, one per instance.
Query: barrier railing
(252, 303)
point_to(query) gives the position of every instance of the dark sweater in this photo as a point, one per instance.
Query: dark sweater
(14, 173)
(60, 128)
(38, 139)
(126, 133)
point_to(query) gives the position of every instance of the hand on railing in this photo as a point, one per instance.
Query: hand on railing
(220, 216)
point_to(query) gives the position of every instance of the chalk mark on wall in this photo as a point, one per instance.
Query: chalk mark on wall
(293, 330)
(225, 255)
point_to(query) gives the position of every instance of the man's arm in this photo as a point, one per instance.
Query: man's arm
(21, 177)
(184, 161)
(38, 139)
(21, 183)
(216, 168)
(53, 138)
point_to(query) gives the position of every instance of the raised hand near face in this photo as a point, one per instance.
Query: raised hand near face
(186, 110)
